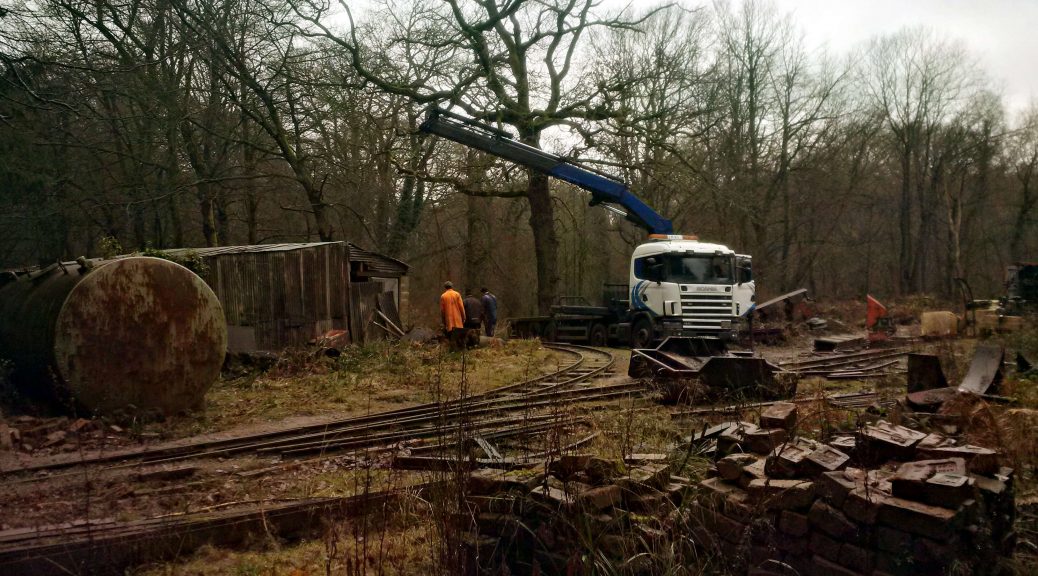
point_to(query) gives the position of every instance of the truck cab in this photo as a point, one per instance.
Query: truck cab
(680, 286)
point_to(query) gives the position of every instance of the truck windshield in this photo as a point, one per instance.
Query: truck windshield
(698, 269)
(686, 268)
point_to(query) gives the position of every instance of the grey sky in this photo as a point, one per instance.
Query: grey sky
(1001, 33)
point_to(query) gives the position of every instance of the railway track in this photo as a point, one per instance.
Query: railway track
(486, 412)
(532, 406)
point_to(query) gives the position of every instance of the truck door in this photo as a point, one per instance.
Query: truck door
(744, 294)
(647, 290)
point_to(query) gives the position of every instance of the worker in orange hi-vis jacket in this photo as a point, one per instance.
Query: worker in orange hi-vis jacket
(453, 312)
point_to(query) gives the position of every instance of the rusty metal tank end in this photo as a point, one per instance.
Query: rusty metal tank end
(131, 335)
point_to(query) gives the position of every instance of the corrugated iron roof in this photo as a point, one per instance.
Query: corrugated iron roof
(378, 263)
(248, 249)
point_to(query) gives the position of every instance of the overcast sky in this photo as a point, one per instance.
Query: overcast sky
(1003, 34)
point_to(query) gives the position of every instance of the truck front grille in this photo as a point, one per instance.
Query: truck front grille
(705, 312)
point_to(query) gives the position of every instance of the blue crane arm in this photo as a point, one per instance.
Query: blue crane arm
(604, 189)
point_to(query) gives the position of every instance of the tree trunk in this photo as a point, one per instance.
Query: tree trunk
(904, 259)
(545, 241)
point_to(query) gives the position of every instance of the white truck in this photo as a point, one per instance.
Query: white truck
(683, 287)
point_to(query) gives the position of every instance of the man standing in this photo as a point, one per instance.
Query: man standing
(453, 312)
(489, 312)
(473, 316)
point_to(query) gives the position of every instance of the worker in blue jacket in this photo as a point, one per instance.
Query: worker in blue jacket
(489, 311)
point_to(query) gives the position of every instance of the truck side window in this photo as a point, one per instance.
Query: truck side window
(648, 268)
(745, 271)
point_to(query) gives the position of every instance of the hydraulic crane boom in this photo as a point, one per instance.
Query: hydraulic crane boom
(611, 193)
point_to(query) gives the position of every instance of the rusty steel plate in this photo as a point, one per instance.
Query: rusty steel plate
(985, 369)
(139, 334)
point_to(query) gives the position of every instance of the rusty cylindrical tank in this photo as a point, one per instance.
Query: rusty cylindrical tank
(132, 335)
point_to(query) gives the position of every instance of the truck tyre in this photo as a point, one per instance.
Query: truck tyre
(598, 336)
(641, 333)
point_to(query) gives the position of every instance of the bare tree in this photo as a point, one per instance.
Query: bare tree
(917, 81)
(511, 61)
(1023, 163)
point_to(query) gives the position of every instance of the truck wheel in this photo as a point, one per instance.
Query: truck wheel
(641, 333)
(551, 332)
(598, 335)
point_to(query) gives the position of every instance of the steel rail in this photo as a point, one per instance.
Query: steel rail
(427, 412)
(841, 360)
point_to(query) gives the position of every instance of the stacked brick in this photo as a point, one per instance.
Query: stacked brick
(887, 500)
(584, 510)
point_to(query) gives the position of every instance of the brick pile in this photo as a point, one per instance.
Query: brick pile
(569, 513)
(886, 500)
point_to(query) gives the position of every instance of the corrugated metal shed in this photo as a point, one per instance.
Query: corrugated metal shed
(389, 273)
(277, 295)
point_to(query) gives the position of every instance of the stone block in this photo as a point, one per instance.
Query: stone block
(833, 487)
(554, 497)
(739, 507)
(730, 467)
(713, 491)
(892, 540)
(779, 415)
(995, 494)
(918, 518)
(600, 498)
(653, 475)
(724, 527)
(934, 440)
(948, 490)
(777, 494)
(856, 558)
(910, 480)
(488, 482)
(825, 546)
(929, 552)
(824, 459)
(845, 444)
(753, 472)
(879, 479)
(677, 492)
(832, 521)
(603, 470)
(793, 523)
(884, 441)
(569, 464)
(763, 441)
(732, 439)
(648, 503)
(787, 460)
(862, 505)
(978, 459)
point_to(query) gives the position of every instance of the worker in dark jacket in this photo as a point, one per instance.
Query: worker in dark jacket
(473, 317)
(489, 312)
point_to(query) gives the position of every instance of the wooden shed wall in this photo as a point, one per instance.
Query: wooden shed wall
(278, 299)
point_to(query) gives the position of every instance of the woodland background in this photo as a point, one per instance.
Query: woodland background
(127, 124)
